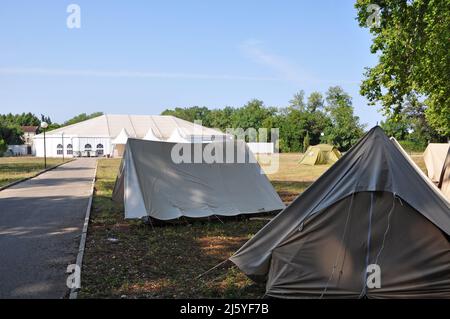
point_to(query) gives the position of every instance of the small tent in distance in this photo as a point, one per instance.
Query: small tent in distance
(372, 208)
(320, 154)
(152, 183)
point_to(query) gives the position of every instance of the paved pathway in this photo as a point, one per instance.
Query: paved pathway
(40, 226)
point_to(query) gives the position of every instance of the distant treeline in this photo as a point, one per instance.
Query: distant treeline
(10, 126)
(306, 120)
(318, 118)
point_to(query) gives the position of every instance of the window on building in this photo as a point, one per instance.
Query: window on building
(87, 147)
(69, 149)
(100, 149)
(59, 149)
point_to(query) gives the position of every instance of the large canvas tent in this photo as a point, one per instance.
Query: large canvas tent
(373, 207)
(151, 183)
(434, 157)
(320, 154)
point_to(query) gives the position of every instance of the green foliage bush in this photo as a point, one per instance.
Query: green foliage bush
(413, 146)
(300, 124)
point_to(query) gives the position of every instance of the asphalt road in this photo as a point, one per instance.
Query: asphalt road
(40, 226)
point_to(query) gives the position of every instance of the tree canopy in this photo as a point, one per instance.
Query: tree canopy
(11, 133)
(23, 119)
(300, 123)
(81, 117)
(411, 39)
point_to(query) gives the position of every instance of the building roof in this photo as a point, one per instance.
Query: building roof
(29, 128)
(137, 126)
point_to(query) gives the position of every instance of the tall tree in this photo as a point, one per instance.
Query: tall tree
(411, 124)
(315, 102)
(298, 101)
(82, 117)
(24, 119)
(345, 129)
(411, 39)
(48, 120)
(3, 147)
(191, 114)
(221, 118)
(11, 134)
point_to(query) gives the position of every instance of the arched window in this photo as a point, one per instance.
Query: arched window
(69, 149)
(100, 149)
(59, 149)
(87, 147)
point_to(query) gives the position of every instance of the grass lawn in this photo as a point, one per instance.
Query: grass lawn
(164, 261)
(15, 168)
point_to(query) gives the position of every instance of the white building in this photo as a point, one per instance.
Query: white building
(106, 135)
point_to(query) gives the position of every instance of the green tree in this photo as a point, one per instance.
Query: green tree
(396, 126)
(412, 42)
(251, 115)
(315, 102)
(298, 101)
(11, 134)
(24, 119)
(51, 125)
(191, 114)
(306, 142)
(81, 117)
(411, 125)
(221, 118)
(345, 130)
(296, 122)
(3, 147)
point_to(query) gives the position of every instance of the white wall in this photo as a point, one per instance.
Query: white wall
(18, 149)
(261, 148)
(78, 144)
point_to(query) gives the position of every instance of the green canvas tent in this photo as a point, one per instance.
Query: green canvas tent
(320, 154)
(372, 226)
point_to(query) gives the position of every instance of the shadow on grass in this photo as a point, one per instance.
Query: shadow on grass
(288, 190)
(161, 261)
(164, 261)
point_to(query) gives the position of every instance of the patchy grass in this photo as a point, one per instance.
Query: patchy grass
(165, 261)
(418, 159)
(16, 168)
(291, 178)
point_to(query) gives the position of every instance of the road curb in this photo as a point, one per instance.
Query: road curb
(33, 176)
(79, 262)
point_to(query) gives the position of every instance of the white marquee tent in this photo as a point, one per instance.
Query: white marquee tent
(151, 136)
(178, 137)
(119, 143)
(151, 183)
(96, 135)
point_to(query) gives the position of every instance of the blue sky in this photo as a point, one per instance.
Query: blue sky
(141, 57)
